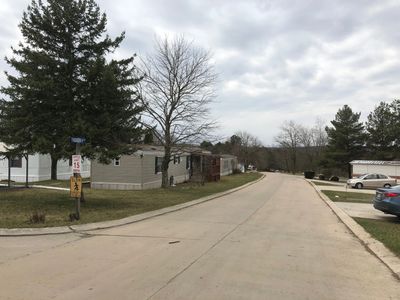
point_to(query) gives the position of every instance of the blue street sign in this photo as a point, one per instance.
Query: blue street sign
(78, 140)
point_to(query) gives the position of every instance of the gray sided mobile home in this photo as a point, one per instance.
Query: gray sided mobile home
(141, 170)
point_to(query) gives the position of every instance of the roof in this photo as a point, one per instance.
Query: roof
(227, 156)
(2, 147)
(376, 162)
(159, 150)
(185, 149)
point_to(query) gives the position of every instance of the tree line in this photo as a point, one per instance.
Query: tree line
(323, 149)
(330, 149)
(66, 83)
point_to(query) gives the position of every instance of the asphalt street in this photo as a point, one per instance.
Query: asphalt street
(273, 240)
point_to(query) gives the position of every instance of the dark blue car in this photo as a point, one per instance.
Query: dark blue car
(388, 200)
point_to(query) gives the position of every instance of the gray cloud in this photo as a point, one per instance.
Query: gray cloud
(278, 60)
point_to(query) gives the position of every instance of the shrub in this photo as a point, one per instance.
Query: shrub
(334, 178)
(236, 171)
(37, 217)
(309, 174)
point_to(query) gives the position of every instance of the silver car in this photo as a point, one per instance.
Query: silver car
(371, 180)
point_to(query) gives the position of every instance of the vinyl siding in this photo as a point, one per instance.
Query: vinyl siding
(135, 172)
(227, 165)
(129, 170)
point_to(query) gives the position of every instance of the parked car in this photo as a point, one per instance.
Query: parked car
(388, 200)
(371, 180)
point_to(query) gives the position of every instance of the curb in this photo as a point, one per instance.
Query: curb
(372, 245)
(16, 232)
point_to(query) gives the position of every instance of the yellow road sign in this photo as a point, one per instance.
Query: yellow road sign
(75, 186)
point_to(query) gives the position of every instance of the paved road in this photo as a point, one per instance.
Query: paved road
(273, 240)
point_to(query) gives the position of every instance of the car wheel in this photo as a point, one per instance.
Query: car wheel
(359, 185)
(386, 185)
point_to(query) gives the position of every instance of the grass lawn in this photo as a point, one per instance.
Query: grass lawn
(324, 183)
(385, 231)
(337, 196)
(16, 206)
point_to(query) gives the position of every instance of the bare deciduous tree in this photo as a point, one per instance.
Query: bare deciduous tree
(246, 147)
(177, 90)
(320, 137)
(289, 140)
(310, 140)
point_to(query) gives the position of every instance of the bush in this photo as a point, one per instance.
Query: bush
(37, 217)
(309, 174)
(236, 171)
(334, 178)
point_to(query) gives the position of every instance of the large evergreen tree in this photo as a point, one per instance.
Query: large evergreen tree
(63, 86)
(345, 139)
(381, 129)
(395, 127)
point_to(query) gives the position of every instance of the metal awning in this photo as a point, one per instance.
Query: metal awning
(376, 162)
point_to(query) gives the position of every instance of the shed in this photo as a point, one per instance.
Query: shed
(390, 168)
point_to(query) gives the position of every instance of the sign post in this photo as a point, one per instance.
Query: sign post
(76, 180)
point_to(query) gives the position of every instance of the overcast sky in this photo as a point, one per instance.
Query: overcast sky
(277, 60)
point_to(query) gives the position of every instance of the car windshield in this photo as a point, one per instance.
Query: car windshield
(361, 176)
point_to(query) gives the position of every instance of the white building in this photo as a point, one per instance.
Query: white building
(390, 168)
(39, 168)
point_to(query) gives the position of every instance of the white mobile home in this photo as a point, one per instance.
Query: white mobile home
(228, 164)
(39, 168)
(390, 168)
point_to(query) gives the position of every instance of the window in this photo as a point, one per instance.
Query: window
(16, 162)
(382, 176)
(371, 176)
(226, 164)
(188, 162)
(117, 162)
(177, 159)
(158, 163)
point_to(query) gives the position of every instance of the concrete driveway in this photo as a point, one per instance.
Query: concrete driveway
(364, 210)
(358, 210)
(273, 240)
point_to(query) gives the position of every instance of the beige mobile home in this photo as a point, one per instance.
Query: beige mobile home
(141, 170)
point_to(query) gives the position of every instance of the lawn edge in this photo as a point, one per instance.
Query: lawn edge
(377, 248)
(4, 232)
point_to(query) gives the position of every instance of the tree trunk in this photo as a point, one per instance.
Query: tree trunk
(54, 161)
(164, 168)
